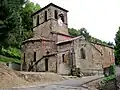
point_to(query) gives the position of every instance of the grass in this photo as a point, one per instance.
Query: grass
(10, 55)
(11, 52)
(8, 59)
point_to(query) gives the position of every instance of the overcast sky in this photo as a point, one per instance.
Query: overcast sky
(101, 18)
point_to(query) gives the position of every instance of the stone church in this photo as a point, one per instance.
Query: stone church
(53, 49)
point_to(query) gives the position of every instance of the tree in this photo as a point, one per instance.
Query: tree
(117, 47)
(9, 18)
(73, 32)
(110, 43)
(16, 21)
(84, 32)
(27, 22)
(26, 13)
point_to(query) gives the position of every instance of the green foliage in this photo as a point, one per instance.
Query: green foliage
(15, 27)
(112, 74)
(108, 83)
(83, 31)
(111, 77)
(26, 13)
(11, 20)
(117, 47)
(11, 52)
(15, 21)
(8, 59)
(73, 32)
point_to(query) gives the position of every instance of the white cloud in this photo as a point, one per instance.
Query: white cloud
(100, 17)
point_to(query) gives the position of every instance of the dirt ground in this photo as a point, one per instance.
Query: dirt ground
(10, 78)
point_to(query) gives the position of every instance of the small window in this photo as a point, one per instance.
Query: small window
(37, 20)
(55, 14)
(63, 57)
(34, 56)
(82, 51)
(45, 15)
(24, 58)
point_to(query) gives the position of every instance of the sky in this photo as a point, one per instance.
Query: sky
(101, 18)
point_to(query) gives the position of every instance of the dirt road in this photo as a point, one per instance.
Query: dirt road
(75, 84)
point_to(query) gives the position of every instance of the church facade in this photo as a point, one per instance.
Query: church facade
(53, 49)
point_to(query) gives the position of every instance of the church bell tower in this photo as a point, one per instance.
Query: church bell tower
(51, 18)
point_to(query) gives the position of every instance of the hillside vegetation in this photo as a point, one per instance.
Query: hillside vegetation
(15, 27)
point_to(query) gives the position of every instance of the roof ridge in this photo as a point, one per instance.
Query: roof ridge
(50, 4)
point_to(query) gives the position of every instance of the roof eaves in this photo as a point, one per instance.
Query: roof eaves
(103, 45)
(51, 4)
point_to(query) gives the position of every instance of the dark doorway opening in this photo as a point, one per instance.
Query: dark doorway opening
(46, 64)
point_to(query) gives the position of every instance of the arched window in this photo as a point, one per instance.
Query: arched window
(45, 15)
(55, 14)
(82, 51)
(37, 20)
(62, 17)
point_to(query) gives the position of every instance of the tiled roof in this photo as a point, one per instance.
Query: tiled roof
(36, 39)
(103, 45)
(69, 40)
(62, 34)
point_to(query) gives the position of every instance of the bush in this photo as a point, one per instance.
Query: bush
(11, 52)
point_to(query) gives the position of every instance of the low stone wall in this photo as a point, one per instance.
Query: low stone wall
(98, 85)
(109, 85)
(94, 85)
(91, 72)
(14, 66)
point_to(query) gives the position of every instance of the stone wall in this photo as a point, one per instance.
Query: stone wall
(51, 65)
(108, 55)
(92, 61)
(42, 48)
(63, 66)
(90, 65)
(42, 16)
(42, 30)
